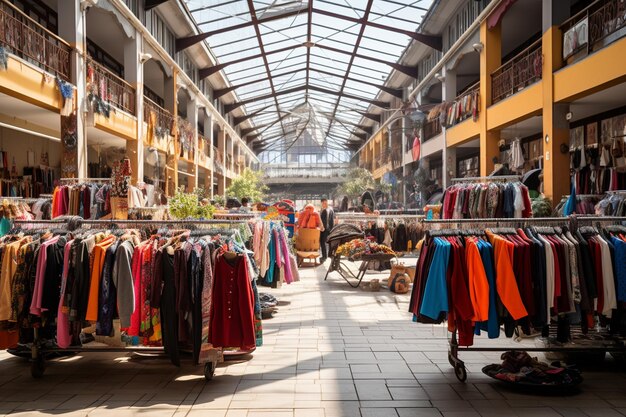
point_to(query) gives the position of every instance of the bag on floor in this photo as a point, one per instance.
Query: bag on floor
(400, 284)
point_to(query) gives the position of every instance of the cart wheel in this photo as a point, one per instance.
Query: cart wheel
(209, 371)
(37, 367)
(460, 372)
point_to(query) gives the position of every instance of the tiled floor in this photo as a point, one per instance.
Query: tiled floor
(331, 351)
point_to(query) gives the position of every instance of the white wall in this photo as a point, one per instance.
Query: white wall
(18, 143)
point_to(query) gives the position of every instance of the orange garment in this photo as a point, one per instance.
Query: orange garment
(506, 284)
(478, 283)
(99, 252)
(309, 218)
(9, 266)
(55, 196)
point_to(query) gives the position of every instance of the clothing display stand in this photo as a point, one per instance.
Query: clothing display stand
(502, 178)
(38, 350)
(73, 180)
(603, 342)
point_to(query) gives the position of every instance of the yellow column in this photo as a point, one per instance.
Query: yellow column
(490, 60)
(555, 125)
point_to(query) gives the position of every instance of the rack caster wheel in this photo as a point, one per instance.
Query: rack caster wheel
(37, 367)
(460, 372)
(209, 371)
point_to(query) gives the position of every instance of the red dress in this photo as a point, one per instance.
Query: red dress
(232, 321)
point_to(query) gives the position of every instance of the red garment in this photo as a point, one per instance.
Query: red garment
(521, 261)
(135, 318)
(449, 202)
(596, 254)
(461, 314)
(528, 210)
(232, 321)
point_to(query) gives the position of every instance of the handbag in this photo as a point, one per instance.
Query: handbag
(400, 284)
(605, 157)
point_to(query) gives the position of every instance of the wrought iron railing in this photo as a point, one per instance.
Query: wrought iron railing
(396, 157)
(432, 128)
(186, 138)
(30, 41)
(110, 88)
(518, 73)
(217, 154)
(594, 27)
(164, 120)
(464, 106)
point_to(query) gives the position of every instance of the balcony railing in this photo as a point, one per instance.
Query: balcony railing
(217, 155)
(30, 41)
(314, 171)
(432, 128)
(109, 87)
(600, 24)
(164, 120)
(518, 73)
(186, 138)
(463, 107)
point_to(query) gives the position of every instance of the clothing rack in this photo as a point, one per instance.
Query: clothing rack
(64, 180)
(616, 345)
(38, 349)
(487, 179)
(584, 196)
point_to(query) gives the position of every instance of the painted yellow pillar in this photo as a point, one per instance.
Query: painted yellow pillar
(555, 125)
(490, 60)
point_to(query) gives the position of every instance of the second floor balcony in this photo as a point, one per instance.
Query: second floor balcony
(158, 119)
(25, 38)
(323, 172)
(595, 27)
(432, 128)
(518, 73)
(110, 88)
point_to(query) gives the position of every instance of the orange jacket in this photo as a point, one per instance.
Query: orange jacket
(505, 278)
(99, 252)
(478, 283)
(309, 218)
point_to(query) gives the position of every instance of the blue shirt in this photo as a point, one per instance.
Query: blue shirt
(620, 267)
(435, 298)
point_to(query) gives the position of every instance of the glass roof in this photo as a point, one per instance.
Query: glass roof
(311, 65)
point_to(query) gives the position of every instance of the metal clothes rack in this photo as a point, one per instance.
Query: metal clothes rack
(38, 350)
(64, 180)
(487, 179)
(608, 343)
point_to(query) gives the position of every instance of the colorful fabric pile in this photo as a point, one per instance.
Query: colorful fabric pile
(356, 248)
(519, 367)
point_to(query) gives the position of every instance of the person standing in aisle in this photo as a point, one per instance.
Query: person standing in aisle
(328, 221)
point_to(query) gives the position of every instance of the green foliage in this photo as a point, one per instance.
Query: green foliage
(219, 199)
(248, 184)
(187, 206)
(201, 193)
(542, 207)
(384, 186)
(358, 180)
